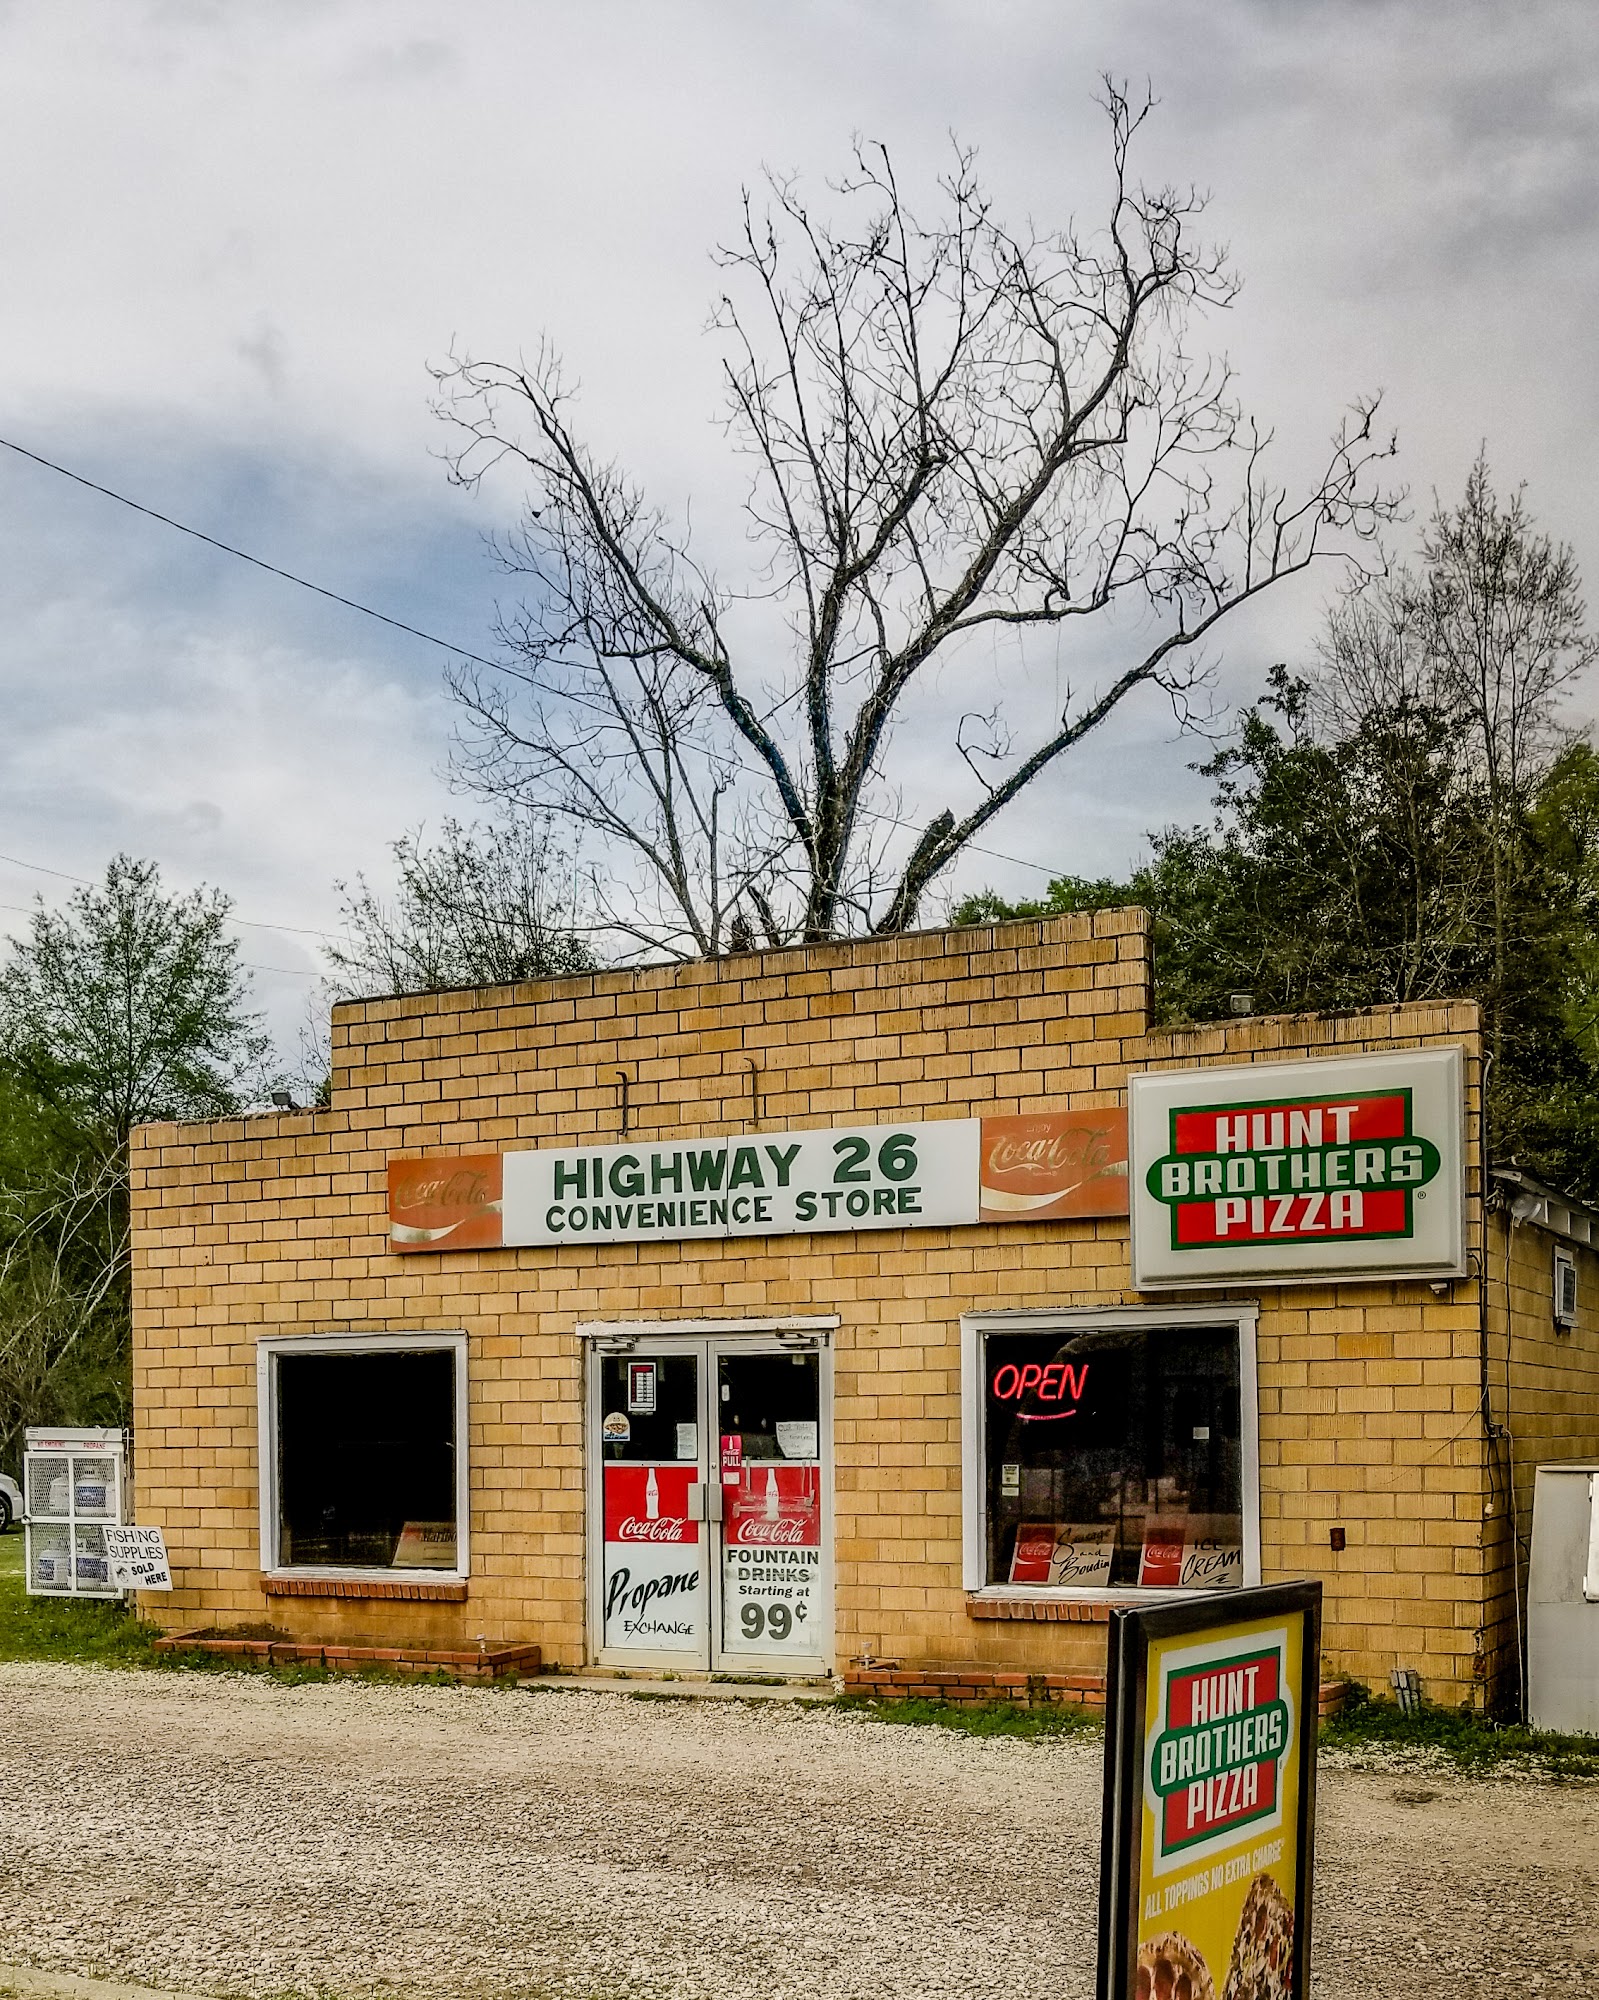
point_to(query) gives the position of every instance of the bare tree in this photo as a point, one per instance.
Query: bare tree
(1503, 625)
(479, 906)
(953, 429)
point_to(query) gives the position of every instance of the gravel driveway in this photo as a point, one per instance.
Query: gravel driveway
(233, 1835)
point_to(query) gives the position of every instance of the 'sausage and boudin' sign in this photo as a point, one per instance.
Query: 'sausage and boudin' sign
(1298, 1170)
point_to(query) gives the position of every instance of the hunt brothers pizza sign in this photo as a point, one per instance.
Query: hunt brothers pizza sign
(1298, 1170)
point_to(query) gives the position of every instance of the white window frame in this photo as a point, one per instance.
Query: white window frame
(1564, 1261)
(975, 1329)
(267, 1352)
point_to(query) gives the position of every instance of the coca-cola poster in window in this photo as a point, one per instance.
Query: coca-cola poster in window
(772, 1560)
(654, 1580)
(775, 1505)
(1054, 1165)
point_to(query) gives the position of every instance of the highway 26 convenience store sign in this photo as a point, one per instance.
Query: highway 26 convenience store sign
(1298, 1170)
(1035, 1168)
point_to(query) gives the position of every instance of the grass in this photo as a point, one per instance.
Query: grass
(52, 1628)
(58, 1628)
(977, 1718)
(1471, 1742)
(105, 1633)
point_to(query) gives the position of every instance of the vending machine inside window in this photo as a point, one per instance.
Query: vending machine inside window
(72, 1485)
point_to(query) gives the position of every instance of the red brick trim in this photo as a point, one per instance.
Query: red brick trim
(897, 1683)
(931, 1683)
(1038, 1610)
(363, 1586)
(489, 1663)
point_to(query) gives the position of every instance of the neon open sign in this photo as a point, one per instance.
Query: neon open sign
(1053, 1382)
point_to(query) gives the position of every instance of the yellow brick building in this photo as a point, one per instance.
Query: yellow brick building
(358, 1441)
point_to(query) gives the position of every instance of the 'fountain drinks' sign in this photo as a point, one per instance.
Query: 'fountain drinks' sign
(1298, 1170)
(654, 1572)
(772, 1559)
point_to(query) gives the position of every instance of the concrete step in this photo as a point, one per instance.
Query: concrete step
(685, 1687)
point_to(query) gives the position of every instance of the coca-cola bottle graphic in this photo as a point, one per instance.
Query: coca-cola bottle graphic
(652, 1498)
(772, 1509)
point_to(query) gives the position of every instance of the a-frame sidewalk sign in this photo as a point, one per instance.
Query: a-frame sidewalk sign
(1210, 1797)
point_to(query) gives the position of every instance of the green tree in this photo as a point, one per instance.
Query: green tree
(129, 1004)
(1408, 821)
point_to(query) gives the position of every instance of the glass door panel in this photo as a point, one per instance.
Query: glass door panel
(772, 1591)
(654, 1596)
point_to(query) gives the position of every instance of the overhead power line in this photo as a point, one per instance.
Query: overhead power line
(400, 625)
(288, 971)
(250, 923)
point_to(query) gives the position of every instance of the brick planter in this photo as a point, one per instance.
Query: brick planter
(976, 1684)
(491, 1664)
(893, 1683)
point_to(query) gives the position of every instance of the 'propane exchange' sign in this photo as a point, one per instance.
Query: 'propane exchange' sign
(1298, 1170)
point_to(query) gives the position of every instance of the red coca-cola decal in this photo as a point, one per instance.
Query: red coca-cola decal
(1160, 1562)
(775, 1506)
(649, 1503)
(1053, 1164)
(448, 1204)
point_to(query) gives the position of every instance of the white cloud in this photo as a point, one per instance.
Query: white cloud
(234, 237)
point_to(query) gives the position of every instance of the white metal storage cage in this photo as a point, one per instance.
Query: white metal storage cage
(1563, 1599)
(72, 1483)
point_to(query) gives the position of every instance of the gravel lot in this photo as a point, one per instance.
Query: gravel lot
(232, 1835)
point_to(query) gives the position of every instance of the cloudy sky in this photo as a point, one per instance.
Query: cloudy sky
(234, 237)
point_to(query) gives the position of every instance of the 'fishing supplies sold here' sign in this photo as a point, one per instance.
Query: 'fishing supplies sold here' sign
(1304, 1170)
(1210, 1779)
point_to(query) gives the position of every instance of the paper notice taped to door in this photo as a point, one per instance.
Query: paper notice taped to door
(796, 1440)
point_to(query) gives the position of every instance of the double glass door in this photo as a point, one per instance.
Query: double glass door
(710, 1510)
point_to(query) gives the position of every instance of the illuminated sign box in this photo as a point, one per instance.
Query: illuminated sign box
(1299, 1171)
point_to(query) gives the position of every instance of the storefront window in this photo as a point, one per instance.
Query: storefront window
(366, 1458)
(1113, 1457)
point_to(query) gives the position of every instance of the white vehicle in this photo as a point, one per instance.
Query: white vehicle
(10, 1503)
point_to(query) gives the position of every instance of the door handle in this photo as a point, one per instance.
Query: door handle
(713, 1500)
(696, 1500)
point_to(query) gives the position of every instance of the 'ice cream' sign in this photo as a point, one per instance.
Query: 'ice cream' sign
(1298, 1170)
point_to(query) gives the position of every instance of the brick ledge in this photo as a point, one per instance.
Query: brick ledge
(481, 1664)
(894, 1682)
(1038, 1610)
(363, 1587)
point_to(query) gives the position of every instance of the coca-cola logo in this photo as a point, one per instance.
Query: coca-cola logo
(454, 1190)
(1050, 1155)
(771, 1533)
(632, 1529)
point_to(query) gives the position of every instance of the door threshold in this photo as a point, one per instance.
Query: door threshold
(685, 1687)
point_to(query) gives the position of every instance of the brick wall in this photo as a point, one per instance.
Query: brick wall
(1369, 1392)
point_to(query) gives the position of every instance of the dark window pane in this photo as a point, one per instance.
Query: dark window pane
(366, 1459)
(650, 1408)
(1114, 1457)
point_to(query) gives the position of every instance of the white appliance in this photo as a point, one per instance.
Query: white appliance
(1563, 1600)
(72, 1483)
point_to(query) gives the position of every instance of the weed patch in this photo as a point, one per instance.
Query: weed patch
(976, 1718)
(1470, 1742)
